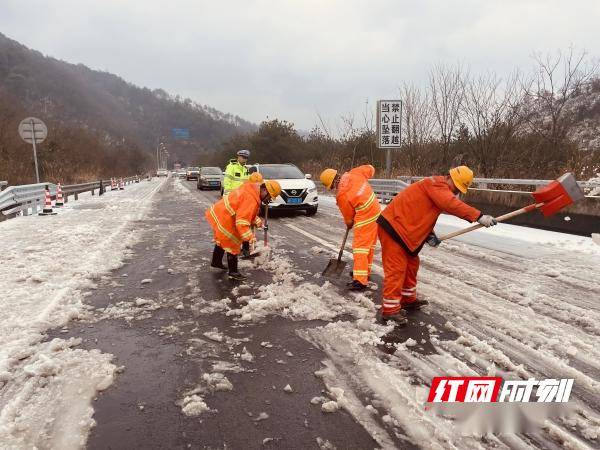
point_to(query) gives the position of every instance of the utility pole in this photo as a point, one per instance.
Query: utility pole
(157, 157)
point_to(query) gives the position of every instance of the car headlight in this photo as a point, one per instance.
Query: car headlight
(312, 189)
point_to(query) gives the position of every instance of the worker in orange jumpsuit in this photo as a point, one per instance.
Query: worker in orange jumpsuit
(231, 219)
(360, 208)
(407, 224)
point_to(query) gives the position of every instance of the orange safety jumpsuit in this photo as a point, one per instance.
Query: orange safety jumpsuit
(232, 216)
(403, 228)
(359, 206)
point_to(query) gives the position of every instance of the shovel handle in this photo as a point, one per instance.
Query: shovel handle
(266, 226)
(502, 218)
(343, 244)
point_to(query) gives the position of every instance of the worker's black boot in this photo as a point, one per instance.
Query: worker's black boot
(217, 258)
(245, 250)
(398, 318)
(357, 286)
(232, 263)
(417, 304)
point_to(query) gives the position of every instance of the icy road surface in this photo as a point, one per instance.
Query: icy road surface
(46, 386)
(292, 360)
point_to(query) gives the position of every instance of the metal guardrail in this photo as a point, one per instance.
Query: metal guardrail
(27, 199)
(484, 182)
(387, 189)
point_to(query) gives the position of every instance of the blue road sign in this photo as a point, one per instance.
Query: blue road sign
(181, 133)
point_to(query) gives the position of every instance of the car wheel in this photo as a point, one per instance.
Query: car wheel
(311, 211)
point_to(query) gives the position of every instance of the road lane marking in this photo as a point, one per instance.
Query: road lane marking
(375, 267)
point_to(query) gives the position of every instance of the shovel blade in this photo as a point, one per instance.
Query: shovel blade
(335, 268)
(251, 255)
(558, 194)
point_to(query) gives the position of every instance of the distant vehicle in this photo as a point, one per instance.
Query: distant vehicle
(181, 173)
(298, 191)
(191, 173)
(210, 178)
(162, 173)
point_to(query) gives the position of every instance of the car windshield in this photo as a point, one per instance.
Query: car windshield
(211, 171)
(193, 169)
(280, 171)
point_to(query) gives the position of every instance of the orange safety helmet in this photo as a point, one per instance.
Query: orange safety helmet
(327, 177)
(255, 177)
(462, 177)
(273, 188)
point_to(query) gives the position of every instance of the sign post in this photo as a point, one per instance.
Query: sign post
(389, 129)
(33, 131)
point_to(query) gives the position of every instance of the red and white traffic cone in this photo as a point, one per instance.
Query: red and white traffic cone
(121, 184)
(47, 211)
(59, 197)
(113, 184)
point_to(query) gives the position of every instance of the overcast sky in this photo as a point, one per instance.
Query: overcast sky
(294, 59)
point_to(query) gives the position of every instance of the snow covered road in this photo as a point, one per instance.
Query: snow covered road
(292, 359)
(518, 302)
(46, 386)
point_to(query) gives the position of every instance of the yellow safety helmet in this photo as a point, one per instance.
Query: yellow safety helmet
(462, 177)
(255, 177)
(273, 188)
(327, 177)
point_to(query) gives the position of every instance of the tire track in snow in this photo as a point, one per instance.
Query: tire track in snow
(501, 345)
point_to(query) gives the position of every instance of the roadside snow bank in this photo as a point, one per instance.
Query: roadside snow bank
(46, 387)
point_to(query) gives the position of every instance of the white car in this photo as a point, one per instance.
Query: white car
(298, 191)
(162, 173)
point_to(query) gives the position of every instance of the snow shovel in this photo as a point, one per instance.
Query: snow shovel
(254, 254)
(549, 200)
(336, 267)
(266, 226)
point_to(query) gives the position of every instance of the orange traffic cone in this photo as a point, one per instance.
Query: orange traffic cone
(59, 197)
(47, 211)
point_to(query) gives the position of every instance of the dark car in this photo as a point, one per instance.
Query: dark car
(210, 178)
(191, 173)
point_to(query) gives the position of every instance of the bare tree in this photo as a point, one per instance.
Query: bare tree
(446, 91)
(557, 78)
(490, 113)
(418, 123)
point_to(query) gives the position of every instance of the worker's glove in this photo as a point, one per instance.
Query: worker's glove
(432, 240)
(487, 221)
(265, 226)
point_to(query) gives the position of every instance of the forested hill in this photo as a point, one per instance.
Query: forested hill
(97, 121)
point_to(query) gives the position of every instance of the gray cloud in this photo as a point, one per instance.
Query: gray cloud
(290, 59)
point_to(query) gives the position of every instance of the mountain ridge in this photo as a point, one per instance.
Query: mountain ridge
(75, 97)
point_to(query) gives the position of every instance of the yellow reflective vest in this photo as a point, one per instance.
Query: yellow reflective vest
(235, 175)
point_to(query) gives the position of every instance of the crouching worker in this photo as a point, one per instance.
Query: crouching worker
(407, 224)
(231, 219)
(360, 208)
